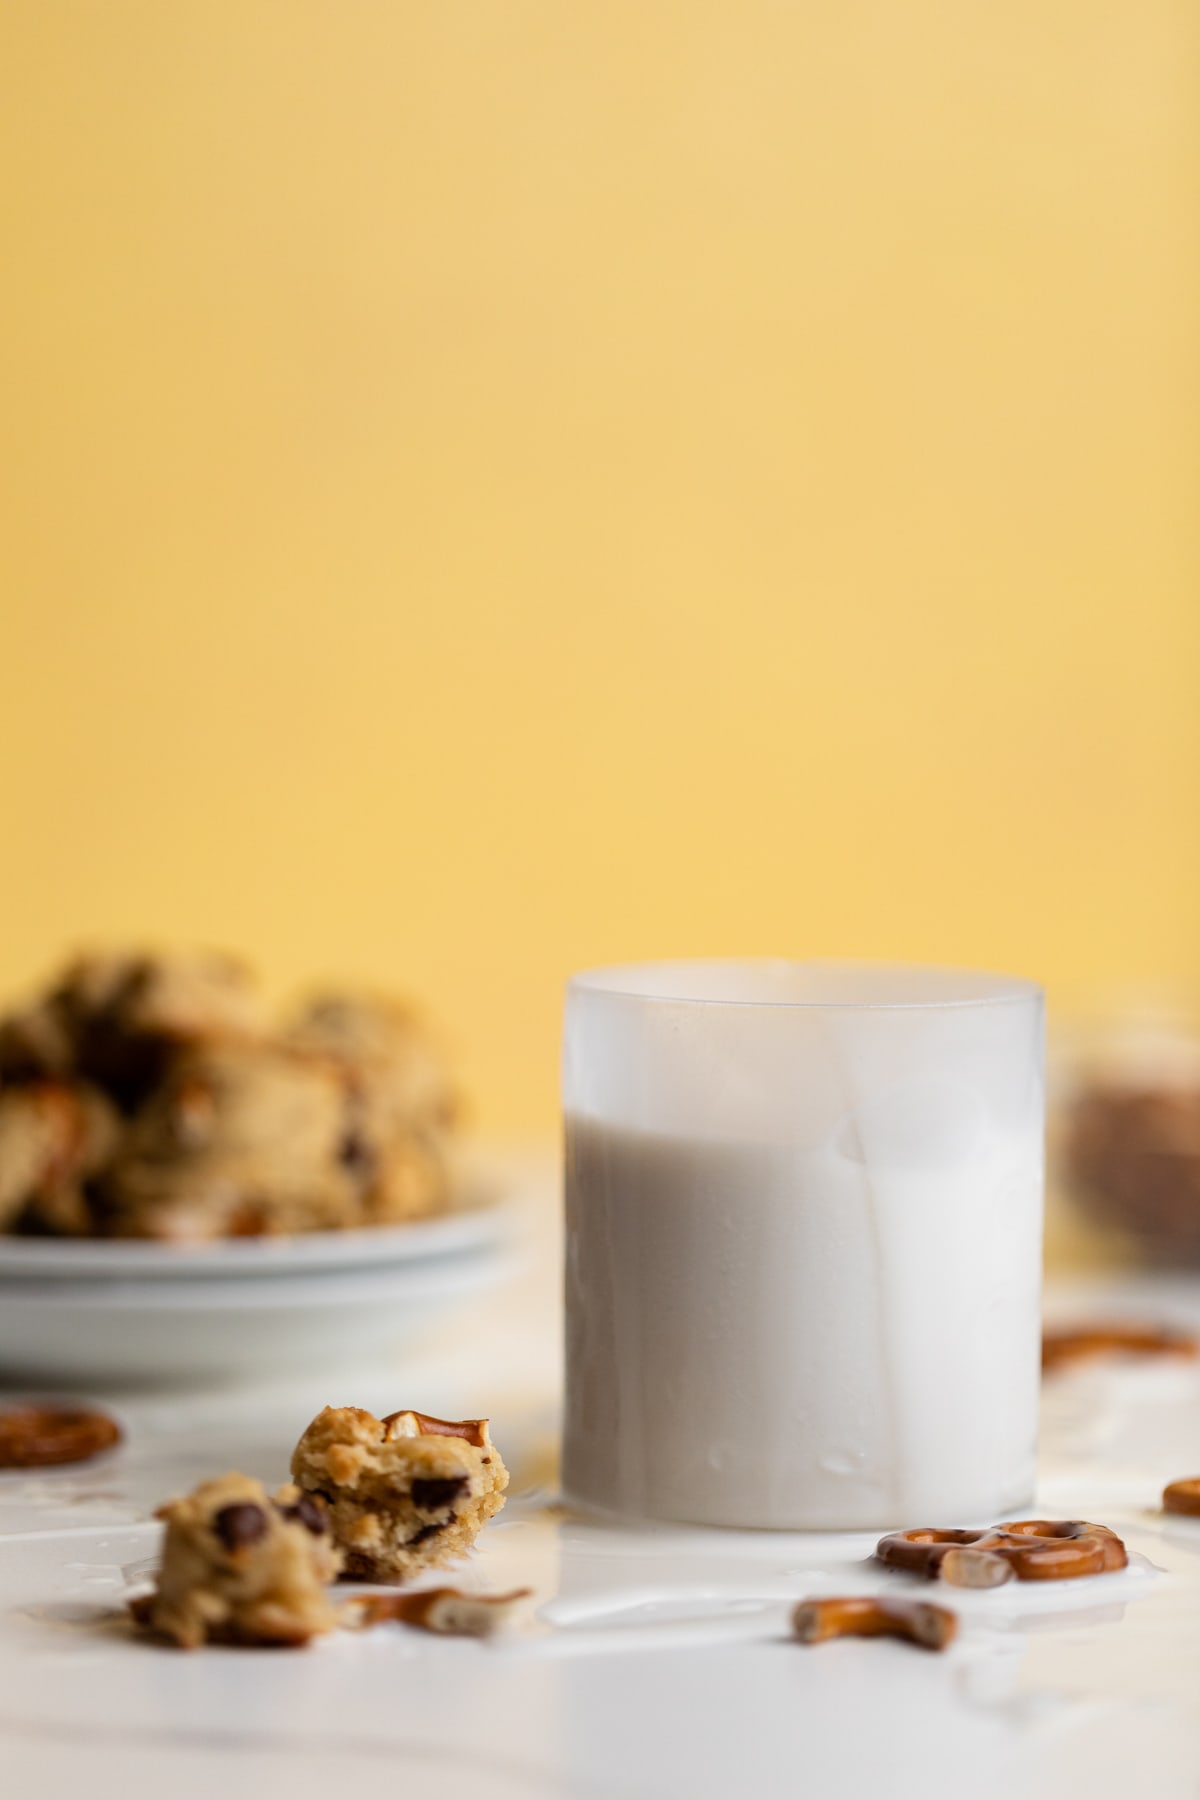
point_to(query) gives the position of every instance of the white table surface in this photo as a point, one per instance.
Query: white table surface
(658, 1664)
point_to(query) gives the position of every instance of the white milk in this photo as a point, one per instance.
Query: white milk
(839, 1330)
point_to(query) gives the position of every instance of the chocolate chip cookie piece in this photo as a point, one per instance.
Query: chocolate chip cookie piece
(241, 1139)
(398, 1064)
(242, 1567)
(401, 1101)
(404, 1493)
(116, 1019)
(217, 1125)
(54, 1136)
(246, 1138)
(35, 1043)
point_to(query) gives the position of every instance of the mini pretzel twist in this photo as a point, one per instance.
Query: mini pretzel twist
(1182, 1496)
(1027, 1549)
(931, 1627)
(1067, 1344)
(38, 1437)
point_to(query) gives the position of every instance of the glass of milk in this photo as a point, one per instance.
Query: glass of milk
(803, 1243)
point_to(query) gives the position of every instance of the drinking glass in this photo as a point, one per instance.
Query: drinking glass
(803, 1243)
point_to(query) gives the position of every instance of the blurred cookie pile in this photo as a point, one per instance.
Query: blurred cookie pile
(1133, 1161)
(1126, 1132)
(153, 1097)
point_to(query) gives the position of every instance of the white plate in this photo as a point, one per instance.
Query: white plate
(482, 1219)
(148, 1332)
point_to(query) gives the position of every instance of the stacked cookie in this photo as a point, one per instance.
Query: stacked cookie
(151, 1097)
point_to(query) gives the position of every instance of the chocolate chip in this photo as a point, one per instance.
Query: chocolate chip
(429, 1491)
(360, 1567)
(309, 1513)
(356, 1155)
(426, 1531)
(240, 1524)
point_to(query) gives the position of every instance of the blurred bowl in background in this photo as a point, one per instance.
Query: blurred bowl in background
(150, 1314)
(1126, 1138)
(161, 1333)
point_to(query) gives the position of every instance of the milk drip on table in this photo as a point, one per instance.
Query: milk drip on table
(803, 1244)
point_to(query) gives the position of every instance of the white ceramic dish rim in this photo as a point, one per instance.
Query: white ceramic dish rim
(311, 1289)
(485, 1216)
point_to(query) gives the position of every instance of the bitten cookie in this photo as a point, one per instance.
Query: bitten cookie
(242, 1567)
(403, 1493)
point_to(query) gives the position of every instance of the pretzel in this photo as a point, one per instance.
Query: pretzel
(36, 1437)
(956, 1556)
(442, 1609)
(1027, 1549)
(1182, 1496)
(932, 1627)
(418, 1424)
(1067, 1344)
(1058, 1549)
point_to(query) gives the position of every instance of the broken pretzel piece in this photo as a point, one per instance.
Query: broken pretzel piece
(410, 1424)
(443, 1609)
(959, 1557)
(930, 1627)
(1182, 1496)
(1068, 1344)
(41, 1437)
(965, 1567)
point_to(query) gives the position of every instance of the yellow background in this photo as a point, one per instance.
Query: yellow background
(496, 487)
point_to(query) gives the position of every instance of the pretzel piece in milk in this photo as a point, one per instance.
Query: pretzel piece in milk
(930, 1627)
(1024, 1549)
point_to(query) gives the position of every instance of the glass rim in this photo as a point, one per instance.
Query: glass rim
(665, 983)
